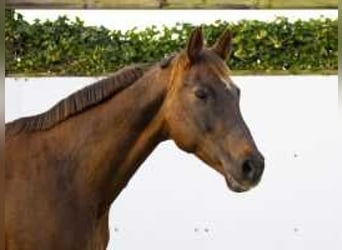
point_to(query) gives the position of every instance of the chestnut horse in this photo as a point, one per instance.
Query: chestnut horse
(66, 166)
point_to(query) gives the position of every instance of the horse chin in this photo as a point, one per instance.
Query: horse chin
(234, 184)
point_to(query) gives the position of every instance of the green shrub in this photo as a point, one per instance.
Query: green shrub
(65, 47)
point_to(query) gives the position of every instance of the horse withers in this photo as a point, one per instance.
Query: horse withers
(66, 166)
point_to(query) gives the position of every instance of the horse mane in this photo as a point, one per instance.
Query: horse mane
(79, 101)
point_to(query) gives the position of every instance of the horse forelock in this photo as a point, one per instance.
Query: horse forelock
(207, 62)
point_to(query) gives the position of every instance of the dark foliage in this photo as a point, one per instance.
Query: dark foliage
(65, 47)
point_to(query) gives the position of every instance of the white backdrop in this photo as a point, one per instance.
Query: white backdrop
(177, 202)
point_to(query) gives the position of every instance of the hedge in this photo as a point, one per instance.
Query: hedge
(65, 47)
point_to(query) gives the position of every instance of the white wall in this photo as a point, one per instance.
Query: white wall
(177, 202)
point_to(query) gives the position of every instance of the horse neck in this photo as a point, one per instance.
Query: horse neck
(120, 134)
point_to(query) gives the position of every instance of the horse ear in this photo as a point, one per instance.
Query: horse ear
(223, 46)
(195, 44)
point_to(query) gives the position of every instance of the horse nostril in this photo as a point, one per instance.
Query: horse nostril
(252, 169)
(248, 169)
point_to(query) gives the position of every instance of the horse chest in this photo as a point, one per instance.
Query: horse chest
(61, 228)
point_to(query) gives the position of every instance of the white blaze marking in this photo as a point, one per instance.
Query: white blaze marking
(228, 83)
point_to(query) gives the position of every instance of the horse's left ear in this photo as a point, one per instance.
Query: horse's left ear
(223, 46)
(195, 44)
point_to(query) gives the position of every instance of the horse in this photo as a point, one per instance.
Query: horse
(65, 167)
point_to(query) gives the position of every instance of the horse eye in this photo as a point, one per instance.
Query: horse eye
(201, 94)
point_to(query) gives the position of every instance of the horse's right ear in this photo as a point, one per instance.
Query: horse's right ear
(223, 46)
(195, 44)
